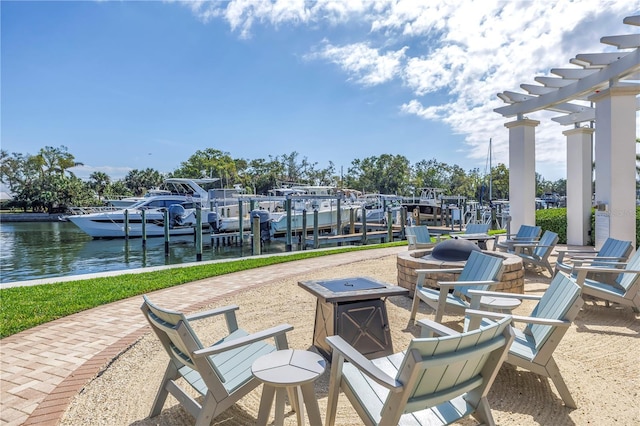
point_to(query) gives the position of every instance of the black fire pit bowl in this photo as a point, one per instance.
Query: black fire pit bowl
(454, 250)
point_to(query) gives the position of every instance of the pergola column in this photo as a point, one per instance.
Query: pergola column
(522, 172)
(579, 174)
(615, 159)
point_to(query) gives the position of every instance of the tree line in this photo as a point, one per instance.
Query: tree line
(45, 181)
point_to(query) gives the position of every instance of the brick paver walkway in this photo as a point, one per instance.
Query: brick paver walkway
(41, 369)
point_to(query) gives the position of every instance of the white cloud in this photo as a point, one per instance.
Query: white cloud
(366, 65)
(468, 51)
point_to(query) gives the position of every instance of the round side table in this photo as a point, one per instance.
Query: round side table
(293, 371)
(499, 304)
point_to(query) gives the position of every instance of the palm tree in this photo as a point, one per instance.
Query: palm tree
(99, 181)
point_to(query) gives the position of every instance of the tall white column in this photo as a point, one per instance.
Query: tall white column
(615, 158)
(522, 172)
(579, 173)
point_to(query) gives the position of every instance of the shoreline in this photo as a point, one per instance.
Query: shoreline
(31, 217)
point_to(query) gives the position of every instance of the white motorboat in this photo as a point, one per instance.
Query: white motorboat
(186, 195)
(376, 205)
(225, 208)
(306, 200)
(426, 207)
(123, 202)
(327, 216)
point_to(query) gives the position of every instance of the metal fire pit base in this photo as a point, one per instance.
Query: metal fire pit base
(354, 309)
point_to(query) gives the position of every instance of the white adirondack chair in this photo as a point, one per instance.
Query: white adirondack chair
(525, 234)
(436, 381)
(537, 253)
(625, 290)
(534, 345)
(476, 228)
(482, 271)
(612, 250)
(418, 237)
(221, 373)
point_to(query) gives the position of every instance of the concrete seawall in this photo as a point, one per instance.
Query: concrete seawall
(31, 217)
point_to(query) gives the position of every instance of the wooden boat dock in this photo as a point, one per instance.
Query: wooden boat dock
(353, 238)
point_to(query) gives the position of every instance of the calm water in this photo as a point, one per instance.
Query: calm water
(35, 250)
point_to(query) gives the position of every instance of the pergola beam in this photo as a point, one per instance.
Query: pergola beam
(573, 73)
(553, 81)
(535, 89)
(585, 114)
(626, 65)
(600, 59)
(578, 117)
(632, 20)
(628, 41)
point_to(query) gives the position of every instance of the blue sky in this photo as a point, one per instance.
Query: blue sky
(130, 85)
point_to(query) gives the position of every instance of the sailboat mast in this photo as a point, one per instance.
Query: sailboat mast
(490, 177)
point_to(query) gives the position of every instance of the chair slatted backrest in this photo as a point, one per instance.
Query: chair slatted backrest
(437, 369)
(556, 302)
(477, 228)
(626, 281)
(165, 324)
(545, 245)
(421, 233)
(177, 336)
(613, 248)
(480, 267)
(528, 232)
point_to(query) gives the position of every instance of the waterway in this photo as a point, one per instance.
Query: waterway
(37, 250)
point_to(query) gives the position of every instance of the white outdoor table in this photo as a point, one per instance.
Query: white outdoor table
(293, 371)
(499, 304)
(494, 304)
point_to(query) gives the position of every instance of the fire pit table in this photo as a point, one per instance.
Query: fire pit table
(354, 309)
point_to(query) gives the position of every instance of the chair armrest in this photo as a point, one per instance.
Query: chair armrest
(212, 312)
(504, 295)
(571, 252)
(584, 270)
(278, 330)
(428, 327)
(340, 346)
(453, 284)
(438, 271)
(532, 244)
(519, 318)
(612, 261)
(612, 258)
(523, 241)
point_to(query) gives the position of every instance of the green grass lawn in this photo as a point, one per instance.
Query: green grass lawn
(25, 307)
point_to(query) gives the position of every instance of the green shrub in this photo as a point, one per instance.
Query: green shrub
(556, 220)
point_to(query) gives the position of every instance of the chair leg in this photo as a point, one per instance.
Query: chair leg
(335, 379)
(554, 374)
(171, 373)
(414, 305)
(207, 411)
(483, 412)
(549, 268)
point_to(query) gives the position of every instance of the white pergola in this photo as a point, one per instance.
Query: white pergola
(600, 88)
